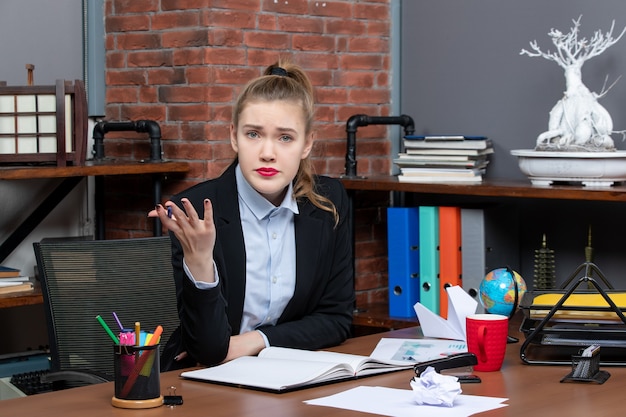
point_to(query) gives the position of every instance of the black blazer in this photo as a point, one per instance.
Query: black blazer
(320, 312)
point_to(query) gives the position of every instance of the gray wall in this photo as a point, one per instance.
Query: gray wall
(462, 72)
(47, 34)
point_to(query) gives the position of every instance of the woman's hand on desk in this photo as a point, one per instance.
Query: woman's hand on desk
(196, 236)
(245, 344)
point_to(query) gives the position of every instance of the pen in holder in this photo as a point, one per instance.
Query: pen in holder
(137, 379)
(586, 367)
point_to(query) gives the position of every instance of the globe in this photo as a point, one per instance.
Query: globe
(497, 291)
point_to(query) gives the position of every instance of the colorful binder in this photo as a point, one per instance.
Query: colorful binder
(429, 257)
(403, 255)
(489, 242)
(473, 254)
(449, 254)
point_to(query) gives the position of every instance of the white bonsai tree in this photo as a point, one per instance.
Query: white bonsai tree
(577, 121)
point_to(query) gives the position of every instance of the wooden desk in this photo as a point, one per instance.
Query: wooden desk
(71, 176)
(532, 391)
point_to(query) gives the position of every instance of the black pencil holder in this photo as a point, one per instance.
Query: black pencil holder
(137, 378)
(587, 369)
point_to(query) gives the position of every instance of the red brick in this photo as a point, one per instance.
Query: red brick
(371, 11)
(313, 43)
(141, 41)
(183, 94)
(302, 24)
(115, 60)
(125, 77)
(148, 94)
(231, 19)
(134, 6)
(184, 4)
(188, 56)
(234, 75)
(150, 59)
(267, 40)
(173, 20)
(339, 27)
(185, 38)
(225, 56)
(368, 45)
(122, 95)
(193, 151)
(127, 23)
(250, 5)
(371, 62)
(143, 112)
(191, 112)
(299, 7)
(226, 37)
(166, 76)
(377, 96)
(331, 9)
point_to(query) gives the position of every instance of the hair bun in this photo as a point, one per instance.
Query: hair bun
(279, 71)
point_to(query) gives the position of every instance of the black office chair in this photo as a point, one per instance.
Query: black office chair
(82, 279)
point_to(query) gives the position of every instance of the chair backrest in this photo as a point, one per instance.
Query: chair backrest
(82, 279)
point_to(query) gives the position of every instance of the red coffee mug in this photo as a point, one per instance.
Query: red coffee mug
(486, 336)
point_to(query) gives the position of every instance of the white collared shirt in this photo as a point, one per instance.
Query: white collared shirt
(269, 239)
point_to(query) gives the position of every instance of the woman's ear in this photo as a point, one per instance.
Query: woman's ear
(308, 145)
(233, 138)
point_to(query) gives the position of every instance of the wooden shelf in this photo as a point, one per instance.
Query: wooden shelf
(490, 188)
(92, 168)
(24, 298)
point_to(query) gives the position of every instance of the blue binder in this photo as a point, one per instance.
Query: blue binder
(403, 258)
(429, 257)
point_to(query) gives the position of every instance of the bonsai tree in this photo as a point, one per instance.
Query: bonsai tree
(577, 122)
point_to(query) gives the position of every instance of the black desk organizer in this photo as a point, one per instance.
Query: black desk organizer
(586, 369)
(552, 342)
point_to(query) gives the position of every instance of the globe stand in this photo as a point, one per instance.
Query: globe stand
(509, 338)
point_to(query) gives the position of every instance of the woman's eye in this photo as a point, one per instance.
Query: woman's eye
(286, 138)
(252, 135)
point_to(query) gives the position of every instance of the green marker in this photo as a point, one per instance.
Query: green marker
(108, 330)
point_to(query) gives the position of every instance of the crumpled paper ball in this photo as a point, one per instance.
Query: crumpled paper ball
(432, 388)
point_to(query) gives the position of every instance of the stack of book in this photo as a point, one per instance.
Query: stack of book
(11, 280)
(444, 158)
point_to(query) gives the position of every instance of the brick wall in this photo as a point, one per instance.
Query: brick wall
(183, 62)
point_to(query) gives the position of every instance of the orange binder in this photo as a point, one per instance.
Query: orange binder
(450, 266)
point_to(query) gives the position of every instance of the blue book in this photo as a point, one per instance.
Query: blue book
(403, 258)
(429, 257)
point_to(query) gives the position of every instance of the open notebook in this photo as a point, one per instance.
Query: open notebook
(283, 369)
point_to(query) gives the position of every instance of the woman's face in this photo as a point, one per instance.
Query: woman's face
(270, 141)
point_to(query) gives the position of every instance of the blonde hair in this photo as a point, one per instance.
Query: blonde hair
(286, 81)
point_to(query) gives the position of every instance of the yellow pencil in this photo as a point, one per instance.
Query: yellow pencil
(137, 333)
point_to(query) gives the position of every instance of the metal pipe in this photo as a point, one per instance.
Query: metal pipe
(141, 126)
(364, 120)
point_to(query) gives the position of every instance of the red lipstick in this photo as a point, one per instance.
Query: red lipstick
(267, 172)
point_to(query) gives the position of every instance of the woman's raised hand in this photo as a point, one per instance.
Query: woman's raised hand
(196, 236)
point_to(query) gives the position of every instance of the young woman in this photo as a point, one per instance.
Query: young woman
(262, 255)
